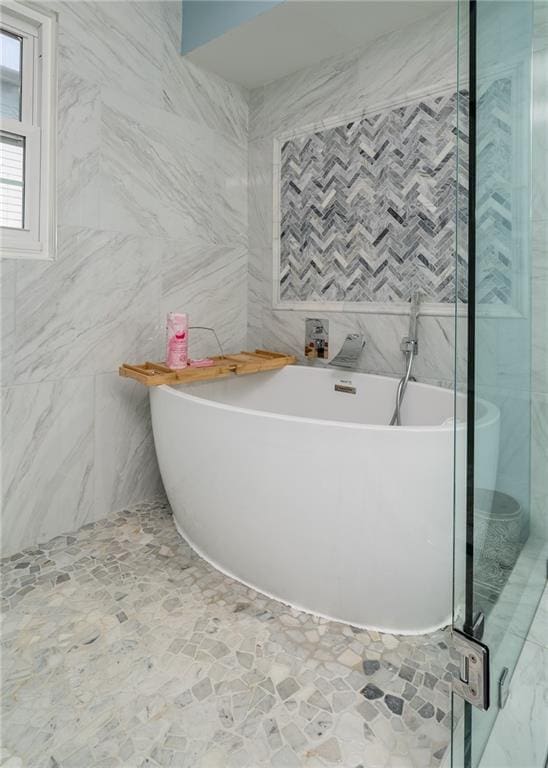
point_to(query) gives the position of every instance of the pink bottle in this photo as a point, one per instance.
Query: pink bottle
(177, 340)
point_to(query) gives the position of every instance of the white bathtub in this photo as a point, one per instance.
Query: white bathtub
(305, 494)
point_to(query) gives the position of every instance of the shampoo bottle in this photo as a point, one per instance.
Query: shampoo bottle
(177, 340)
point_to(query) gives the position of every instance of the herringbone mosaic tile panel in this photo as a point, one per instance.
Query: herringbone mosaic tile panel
(368, 207)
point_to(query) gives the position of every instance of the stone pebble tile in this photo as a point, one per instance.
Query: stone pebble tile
(122, 647)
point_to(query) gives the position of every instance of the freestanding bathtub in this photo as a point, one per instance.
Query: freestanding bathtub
(305, 494)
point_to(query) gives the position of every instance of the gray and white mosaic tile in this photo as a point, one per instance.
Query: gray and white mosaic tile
(122, 647)
(367, 207)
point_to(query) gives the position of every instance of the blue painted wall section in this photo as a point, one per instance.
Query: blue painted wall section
(204, 20)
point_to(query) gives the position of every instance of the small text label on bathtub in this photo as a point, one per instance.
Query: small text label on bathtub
(345, 386)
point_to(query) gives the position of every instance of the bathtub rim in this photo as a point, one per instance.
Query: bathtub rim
(491, 415)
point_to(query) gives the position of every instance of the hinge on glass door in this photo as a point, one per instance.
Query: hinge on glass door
(477, 628)
(472, 683)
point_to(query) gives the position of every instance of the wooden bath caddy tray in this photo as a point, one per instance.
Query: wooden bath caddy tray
(155, 374)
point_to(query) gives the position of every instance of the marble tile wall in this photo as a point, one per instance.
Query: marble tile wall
(345, 84)
(152, 216)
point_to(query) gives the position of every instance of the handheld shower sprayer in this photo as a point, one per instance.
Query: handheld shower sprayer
(410, 347)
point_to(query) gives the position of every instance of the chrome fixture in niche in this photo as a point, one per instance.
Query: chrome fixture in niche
(316, 338)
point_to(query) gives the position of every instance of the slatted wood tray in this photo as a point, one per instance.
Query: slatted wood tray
(155, 374)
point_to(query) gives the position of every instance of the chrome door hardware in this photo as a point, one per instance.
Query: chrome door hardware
(472, 684)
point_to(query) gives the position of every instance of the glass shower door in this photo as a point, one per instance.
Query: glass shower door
(500, 531)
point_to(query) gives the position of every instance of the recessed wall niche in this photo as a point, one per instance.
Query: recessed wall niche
(364, 207)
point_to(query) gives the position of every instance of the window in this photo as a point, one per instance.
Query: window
(27, 113)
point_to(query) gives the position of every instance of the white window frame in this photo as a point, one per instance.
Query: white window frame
(37, 28)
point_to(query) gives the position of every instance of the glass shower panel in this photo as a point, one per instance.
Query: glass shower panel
(500, 555)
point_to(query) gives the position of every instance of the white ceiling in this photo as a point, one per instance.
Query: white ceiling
(299, 33)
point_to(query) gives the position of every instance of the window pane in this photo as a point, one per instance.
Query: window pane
(10, 75)
(12, 175)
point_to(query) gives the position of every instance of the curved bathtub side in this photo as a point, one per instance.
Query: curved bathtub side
(347, 523)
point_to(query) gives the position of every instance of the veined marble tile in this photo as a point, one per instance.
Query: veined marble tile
(539, 462)
(539, 246)
(78, 139)
(538, 632)
(255, 101)
(115, 42)
(258, 297)
(165, 175)
(8, 269)
(401, 63)
(184, 262)
(436, 358)
(518, 737)
(260, 193)
(284, 331)
(254, 337)
(313, 94)
(227, 196)
(154, 176)
(194, 93)
(539, 512)
(514, 608)
(88, 310)
(126, 470)
(383, 334)
(539, 300)
(506, 628)
(390, 67)
(209, 282)
(202, 96)
(135, 160)
(47, 434)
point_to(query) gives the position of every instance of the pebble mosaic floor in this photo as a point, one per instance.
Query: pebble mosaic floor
(122, 647)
